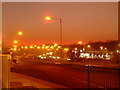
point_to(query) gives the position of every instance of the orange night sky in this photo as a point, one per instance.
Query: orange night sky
(86, 21)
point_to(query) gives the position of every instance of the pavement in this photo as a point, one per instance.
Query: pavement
(23, 81)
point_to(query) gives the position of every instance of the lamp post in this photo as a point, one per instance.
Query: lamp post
(80, 42)
(20, 34)
(15, 41)
(60, 20)
(60, 31)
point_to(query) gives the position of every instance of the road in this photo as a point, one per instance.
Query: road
(70, 76)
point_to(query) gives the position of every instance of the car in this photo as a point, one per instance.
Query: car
(12, 66)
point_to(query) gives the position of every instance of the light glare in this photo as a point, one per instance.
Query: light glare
(48, 18)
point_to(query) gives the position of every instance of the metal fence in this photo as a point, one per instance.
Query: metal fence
(103, 78)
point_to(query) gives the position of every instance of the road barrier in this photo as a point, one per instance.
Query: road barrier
(109, 78)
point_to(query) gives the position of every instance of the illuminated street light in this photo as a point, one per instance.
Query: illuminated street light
(50, 53)
(43, 45)
(83, 49)
(20, 33)
(55, 44)
(80, 42)
(11, 52)
(66, 49)
(117, 51)
(38, 47)
(57, 49)
(101, 47)
(47, 47)
(75, 48)
(52, 47)
(60, 22)
(15, 41)
(88, 46)
(15, 46)
(105, 48)
(59, 46)
(11, 49)
(26, 47)
(58, 57)
(35, 45)
(48, 18)
(22, 47)
(31, 46)
(14, 49)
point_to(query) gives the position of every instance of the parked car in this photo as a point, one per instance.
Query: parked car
(12, 66)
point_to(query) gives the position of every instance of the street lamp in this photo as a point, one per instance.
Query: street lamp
(38, 47)
(48, 18)
(20, 33)
(14, 49)
(75, 48)
(31, 47)
(55, 44)
(60, 20)
(26, 47)
(15, 41)
(15, 46)
(80, 42)
(101, 47)
(88, 46)
(66, 49)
